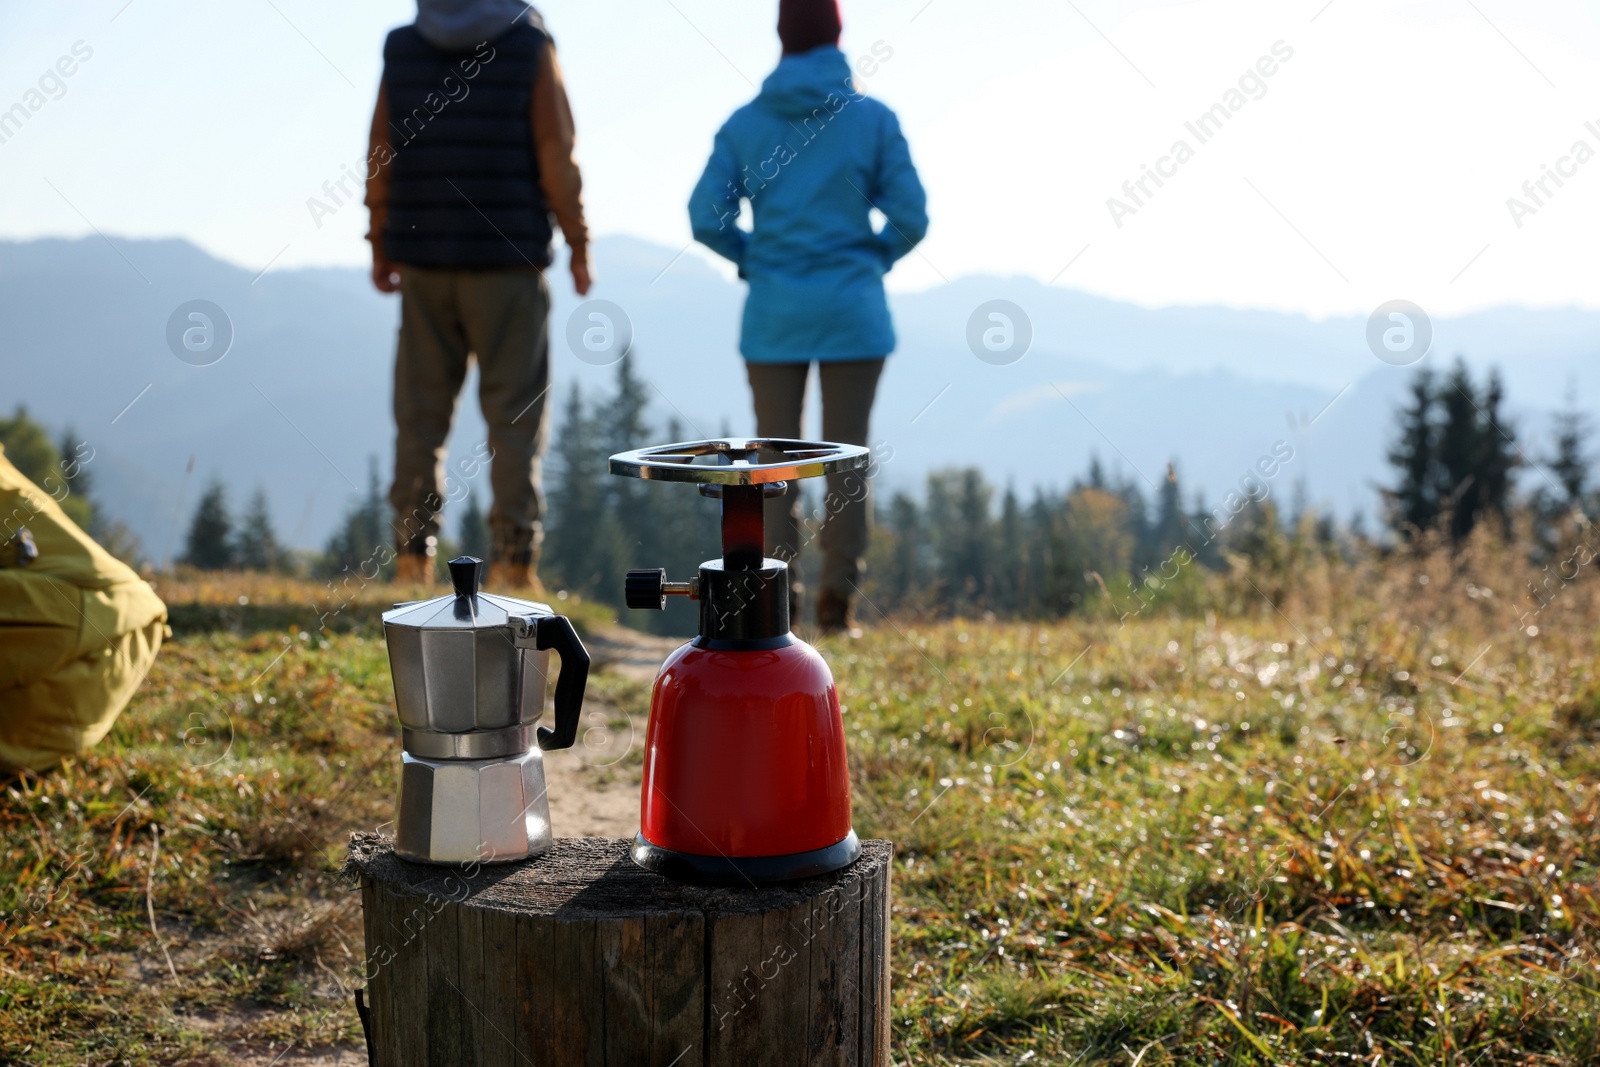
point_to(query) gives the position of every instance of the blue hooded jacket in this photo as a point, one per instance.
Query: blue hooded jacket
(813, 156)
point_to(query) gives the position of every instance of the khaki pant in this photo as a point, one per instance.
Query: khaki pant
(498, 318)
(848, 387)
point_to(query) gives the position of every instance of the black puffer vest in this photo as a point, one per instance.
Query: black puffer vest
(464, 190)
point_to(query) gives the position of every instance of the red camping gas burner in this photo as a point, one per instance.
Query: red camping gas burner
(745, 778)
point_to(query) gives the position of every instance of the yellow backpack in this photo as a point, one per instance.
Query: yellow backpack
(78, 629)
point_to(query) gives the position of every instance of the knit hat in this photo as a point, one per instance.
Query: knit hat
(807, 24)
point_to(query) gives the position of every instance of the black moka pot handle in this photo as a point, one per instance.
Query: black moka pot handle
(556, 632)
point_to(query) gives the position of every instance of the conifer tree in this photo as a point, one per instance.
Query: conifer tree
(1456, 456)
(1010, 565)
(621, 424)
(1050, 582)
(1563, 494)
(1498, 457)
(628, 519)
(1459, 451)
(1414, 503)
(362, 545)
(904, 576)
(257, 547)
(1199, 534)
(1139, 525)
(577, 500)
(1168, 531)
(958, 520)
(78, 504)
(28, 447)
(209, 545)
(1476, 454)
(1570, 464)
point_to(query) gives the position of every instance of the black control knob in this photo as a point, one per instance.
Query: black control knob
(646, 589)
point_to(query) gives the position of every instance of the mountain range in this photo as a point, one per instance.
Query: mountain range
(300, 402)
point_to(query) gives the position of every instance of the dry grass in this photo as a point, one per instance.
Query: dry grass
(253, 750)
(1354, 824)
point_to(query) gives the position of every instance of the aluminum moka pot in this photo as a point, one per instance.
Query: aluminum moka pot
(470, 674)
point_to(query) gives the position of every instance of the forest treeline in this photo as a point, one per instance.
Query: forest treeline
(1109, 542)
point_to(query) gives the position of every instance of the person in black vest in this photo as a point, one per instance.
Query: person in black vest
(470, 157)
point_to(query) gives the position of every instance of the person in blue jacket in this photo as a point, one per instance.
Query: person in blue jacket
(813, 156)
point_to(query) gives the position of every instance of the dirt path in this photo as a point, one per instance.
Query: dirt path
(594, 786)
(629, 652)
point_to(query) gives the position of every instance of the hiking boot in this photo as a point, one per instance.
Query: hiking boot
(518, 579)
(413, 569)
(834, 616)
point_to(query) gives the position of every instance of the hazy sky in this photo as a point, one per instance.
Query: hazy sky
(1374, 163)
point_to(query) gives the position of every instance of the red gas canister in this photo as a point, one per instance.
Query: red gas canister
(745, 773)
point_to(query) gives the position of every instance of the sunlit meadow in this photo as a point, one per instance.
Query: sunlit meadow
(1346, 816)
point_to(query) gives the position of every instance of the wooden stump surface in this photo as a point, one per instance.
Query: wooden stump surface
(580, 956)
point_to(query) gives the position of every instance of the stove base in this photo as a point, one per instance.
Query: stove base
(745, 870)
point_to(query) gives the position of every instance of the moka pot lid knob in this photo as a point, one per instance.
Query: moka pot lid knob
(465, 573)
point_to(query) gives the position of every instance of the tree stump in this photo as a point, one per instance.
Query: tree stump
(579, 956)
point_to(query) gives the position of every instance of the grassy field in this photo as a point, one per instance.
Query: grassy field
(1355, 824)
